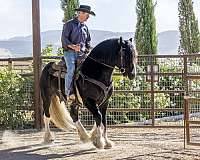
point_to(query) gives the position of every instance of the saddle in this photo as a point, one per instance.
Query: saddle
(58, 69)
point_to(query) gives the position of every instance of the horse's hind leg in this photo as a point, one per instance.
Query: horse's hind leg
(46, 105)
(97, 135)
(84, 137)
(47, 136)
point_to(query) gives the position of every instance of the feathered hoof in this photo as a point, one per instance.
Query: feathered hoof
(98, 142)
(109, 144)
(84, 138)
(48, 138)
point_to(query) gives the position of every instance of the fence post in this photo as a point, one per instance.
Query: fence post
(152, 92)
(186, 104)
(36, 61)
(9, 64)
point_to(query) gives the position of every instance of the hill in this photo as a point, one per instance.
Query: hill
(22, 46)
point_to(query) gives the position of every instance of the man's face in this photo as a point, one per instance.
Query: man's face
(83, 16)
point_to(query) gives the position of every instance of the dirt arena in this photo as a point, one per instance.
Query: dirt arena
(130, 144)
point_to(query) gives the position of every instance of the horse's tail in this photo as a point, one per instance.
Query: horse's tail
(59, 114)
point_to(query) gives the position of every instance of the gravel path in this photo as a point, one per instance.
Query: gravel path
(130, 144)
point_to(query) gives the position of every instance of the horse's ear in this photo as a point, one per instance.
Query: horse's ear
(131, 39)
(120, 41)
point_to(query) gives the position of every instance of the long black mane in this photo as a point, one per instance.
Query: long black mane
(101, 60)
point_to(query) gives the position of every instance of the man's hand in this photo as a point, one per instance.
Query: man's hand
(76, 48)
(87, 51)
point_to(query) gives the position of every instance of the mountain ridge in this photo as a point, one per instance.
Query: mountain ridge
(21, 46)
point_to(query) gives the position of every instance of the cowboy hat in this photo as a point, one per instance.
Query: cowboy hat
(85, 8)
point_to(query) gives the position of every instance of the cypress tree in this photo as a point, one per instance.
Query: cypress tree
(69, 6)
(145, 35)
(188, 27)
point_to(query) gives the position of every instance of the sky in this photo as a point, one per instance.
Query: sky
(111, 15)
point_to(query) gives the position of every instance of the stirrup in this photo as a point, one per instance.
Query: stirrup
(71, 97)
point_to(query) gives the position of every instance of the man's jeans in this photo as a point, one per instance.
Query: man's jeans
(70, 59)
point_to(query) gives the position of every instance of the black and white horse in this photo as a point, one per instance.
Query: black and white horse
(94, 85)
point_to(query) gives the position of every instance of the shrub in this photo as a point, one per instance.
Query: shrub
(12, 100)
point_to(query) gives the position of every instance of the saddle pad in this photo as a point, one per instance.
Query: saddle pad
(59, 66)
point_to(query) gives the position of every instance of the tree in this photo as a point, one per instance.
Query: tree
(188, 27)
(69, 6)
(145, 35)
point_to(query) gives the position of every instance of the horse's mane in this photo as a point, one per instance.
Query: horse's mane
(104, 52)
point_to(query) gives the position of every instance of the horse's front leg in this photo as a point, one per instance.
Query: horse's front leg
(103, 108)
(74, 108)
(97, 132)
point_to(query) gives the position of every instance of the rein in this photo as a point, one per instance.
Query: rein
(122, 69)
(106, 89)
(101, 62)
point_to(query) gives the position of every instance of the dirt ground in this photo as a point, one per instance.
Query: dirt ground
(130, 144)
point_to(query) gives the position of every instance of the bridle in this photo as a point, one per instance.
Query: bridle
(122, 54)
(106, 89)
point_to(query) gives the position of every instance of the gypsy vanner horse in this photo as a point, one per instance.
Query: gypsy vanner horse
(94, 85)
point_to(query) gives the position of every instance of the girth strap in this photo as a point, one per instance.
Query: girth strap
(105, 88)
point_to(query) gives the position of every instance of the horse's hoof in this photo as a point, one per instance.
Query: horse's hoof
(48, 141)
(108, 144)
(48, 138)
(84, 140)
(98, 143)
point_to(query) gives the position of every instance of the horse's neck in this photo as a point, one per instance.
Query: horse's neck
(105, 53)
(107, 76)
(101, 61)
(97, 71)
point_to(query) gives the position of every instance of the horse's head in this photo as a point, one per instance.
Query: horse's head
(127, 58)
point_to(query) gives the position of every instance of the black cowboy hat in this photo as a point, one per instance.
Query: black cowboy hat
(85, 8)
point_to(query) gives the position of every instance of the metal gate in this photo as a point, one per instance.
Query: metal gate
(192, 101)
(154, 99)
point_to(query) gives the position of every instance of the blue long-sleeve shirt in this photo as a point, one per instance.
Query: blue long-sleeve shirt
(75, 32)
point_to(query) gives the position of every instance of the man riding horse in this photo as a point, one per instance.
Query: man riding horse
(75, 42)
(93, 83)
